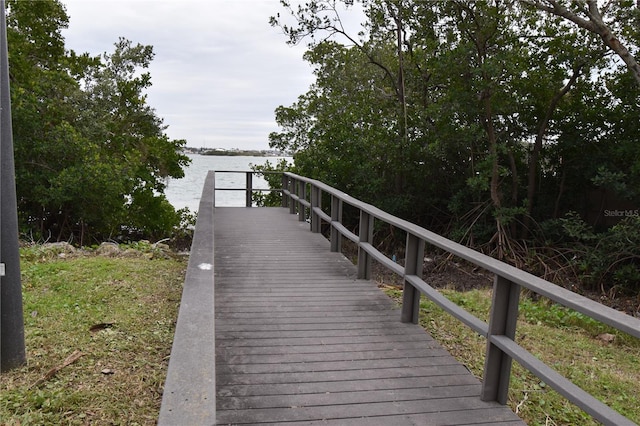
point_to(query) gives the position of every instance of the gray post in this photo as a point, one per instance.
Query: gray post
(497, 365)
(285, 186)
(12, 347)
(249, 188)
(336, 216)
(316, 202)
(212, 174)
(366, 236)
(302, 193)
(413, 266)
(293, 185)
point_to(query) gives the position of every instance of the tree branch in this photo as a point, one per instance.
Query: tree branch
(594, 24)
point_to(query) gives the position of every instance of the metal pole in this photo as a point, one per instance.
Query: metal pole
(249, 187)
(12, 347)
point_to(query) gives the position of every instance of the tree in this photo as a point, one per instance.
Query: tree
(360, 100)
(129, 131)
(488, 136)
(386, 25)
(92, 155)
(559, 59)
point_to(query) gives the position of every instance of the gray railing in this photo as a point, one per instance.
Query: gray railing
(189, 396)
(304, 197)
(248, 188)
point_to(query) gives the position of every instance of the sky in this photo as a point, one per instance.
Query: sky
(219, 72)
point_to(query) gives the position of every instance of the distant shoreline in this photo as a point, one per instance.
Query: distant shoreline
(236, 153)
(248, 153)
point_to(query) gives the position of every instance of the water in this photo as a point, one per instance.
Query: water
(186, 192)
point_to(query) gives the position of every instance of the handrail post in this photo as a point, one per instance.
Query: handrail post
(336, 216)
(413, 266)
(302, 195)
(316, 202)
(285, 186)
(366, 236)
(249, 188)
(293, 185)
(213, 185)
(497, 365)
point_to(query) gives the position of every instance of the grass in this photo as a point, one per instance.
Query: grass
(561, 338)
(114, 315)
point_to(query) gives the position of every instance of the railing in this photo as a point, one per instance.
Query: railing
(304, 197)
(248, 187)
(189, 396)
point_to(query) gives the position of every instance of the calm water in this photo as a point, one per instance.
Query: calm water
(186, 192)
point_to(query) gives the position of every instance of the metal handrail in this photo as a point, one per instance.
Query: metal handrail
(304, 197)
(248, 188)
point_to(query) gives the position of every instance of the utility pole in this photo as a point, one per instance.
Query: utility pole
(12, 347)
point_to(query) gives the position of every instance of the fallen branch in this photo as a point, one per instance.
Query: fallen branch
(68, 361)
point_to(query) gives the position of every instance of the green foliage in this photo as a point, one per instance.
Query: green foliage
(608, 260)
(270, 173)
(617, 181)
(91, 155)
(476, 119)
(576, 228)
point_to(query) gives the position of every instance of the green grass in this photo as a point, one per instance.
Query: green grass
(131, 300)
(563, 339)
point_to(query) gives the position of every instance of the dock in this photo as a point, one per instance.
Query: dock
(300, 340)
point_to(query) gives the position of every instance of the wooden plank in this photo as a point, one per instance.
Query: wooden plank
(344, 386)
(452, 406)
(225, 352)
(315, 356)
(326, 341)
(346, 375)
(310, 318)
(284, 332)
(273, 367)
(468, 417)
(341, 398)
(300, 340)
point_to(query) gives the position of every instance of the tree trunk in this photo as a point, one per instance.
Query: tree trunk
(403, 104)
(532, 179)
(556, 208)
(496, 198)
(612, 42)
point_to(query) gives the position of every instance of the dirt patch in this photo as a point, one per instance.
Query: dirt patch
(444, 273)
(440, 273)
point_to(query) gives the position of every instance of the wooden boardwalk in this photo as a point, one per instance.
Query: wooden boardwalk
(299, 340)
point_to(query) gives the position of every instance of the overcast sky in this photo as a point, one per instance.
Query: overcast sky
(220, 69)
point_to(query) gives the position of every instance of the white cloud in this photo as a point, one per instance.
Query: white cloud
(220, 69)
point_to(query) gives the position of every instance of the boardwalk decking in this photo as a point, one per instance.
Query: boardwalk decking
(299, 340)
